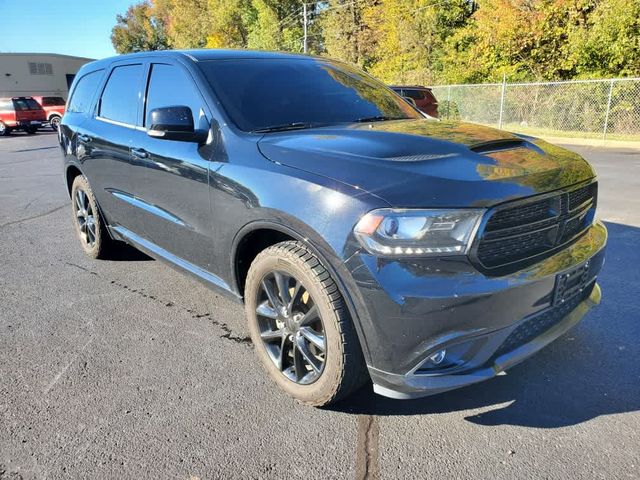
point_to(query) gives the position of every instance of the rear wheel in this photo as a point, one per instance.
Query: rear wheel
(4, 130)
(300, 326)
(88, 223)
(54, 122)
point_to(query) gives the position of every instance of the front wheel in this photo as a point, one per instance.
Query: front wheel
(300, 326)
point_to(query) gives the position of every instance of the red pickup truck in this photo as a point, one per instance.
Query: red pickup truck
(20, 113)
(54, 108)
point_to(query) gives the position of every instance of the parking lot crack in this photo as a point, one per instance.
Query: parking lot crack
(367, 448)
(22, 220)
(227, 334)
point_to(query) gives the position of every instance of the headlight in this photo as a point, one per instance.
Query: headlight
(395, 232)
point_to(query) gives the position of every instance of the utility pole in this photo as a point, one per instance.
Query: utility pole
(304, 23)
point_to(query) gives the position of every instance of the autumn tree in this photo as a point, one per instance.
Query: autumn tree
(408, 41)
(139, 29)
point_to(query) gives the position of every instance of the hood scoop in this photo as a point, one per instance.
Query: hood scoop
(500, 144)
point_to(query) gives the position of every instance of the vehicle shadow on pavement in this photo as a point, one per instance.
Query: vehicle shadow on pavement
(591, 371)
(126, 253)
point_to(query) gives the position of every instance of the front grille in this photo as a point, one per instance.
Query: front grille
(524, 232)
(536, 326)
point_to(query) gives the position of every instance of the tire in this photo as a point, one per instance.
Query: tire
(54, 121)
(4, 130)
(343, 369)
(32, 130)
(94, 238)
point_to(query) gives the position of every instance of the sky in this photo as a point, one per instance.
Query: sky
(70, 27)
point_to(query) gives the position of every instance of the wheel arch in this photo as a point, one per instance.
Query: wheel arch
(71, 172)
(242, 244)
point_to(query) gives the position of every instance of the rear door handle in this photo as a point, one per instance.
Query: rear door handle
(84, 138)
(139, 153)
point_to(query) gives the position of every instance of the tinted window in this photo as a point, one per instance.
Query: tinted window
(259, 93)
(83, 92)
(120, 96)
(170, 86)
(26, 104)
(52, 101)
(415, 94)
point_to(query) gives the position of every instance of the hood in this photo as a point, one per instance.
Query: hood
(426, 163)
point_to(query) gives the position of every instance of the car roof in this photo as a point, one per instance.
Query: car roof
(200, 55)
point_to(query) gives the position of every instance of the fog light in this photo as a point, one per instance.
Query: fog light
(438, 357)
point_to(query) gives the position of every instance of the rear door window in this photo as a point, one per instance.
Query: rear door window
(120, 97)
(170, 86)
(83, 92)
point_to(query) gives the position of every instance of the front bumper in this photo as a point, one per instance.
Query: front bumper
(411, 310)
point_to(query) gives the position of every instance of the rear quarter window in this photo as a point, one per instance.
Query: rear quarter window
(82, 94)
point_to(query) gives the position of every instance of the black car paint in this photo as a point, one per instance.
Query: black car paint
(194, 206)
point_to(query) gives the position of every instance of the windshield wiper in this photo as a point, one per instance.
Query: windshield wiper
(378, 118)
(284, 127)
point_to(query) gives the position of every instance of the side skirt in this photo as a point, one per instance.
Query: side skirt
(155, 251)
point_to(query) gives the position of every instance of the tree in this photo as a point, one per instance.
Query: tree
(411, 35)
(228, 26)
(609, 45)
(139, 29)
(408, 41)
(347, 32)
(188, 22)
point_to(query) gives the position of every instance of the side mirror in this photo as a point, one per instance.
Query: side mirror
(173, 123)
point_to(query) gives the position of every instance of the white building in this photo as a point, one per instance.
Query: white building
(24, 74)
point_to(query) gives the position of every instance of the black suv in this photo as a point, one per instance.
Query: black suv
(365, 240)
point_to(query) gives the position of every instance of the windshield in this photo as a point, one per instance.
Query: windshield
(261, 93)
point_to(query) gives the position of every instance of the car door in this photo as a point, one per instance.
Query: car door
(174, 197)
(106, 139)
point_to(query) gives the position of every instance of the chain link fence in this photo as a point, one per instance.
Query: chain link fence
(599, 109)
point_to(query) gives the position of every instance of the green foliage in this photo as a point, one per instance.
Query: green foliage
(409, 41)
(139, 29)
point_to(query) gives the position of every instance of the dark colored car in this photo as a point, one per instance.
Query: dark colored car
(53, 107)
(365, 240)
(423, 97)
(20, 113)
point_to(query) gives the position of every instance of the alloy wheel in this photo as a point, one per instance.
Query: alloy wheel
(291, 328)
(85, 218)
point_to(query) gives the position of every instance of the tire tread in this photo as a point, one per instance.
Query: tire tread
(354, 372)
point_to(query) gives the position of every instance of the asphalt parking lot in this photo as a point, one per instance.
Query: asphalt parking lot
(129, 369)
